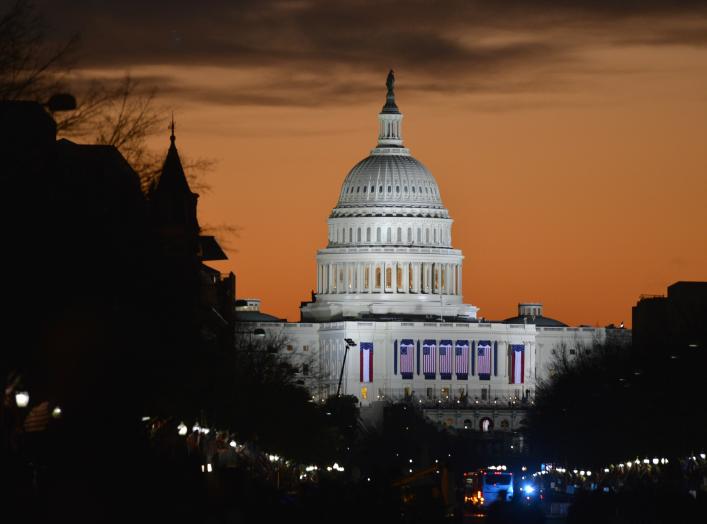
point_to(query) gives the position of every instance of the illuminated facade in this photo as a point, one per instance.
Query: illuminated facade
(390, 280)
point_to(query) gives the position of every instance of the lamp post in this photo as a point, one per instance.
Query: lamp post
(349, 343)
(22, 399)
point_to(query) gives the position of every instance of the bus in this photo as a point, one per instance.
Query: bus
(484, 487)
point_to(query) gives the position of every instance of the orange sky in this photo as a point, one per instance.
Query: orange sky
(567, 138)
(581, 199)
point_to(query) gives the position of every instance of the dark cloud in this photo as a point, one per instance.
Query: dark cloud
(297, 51)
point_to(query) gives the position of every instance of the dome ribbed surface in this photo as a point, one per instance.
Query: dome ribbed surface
(390, 180)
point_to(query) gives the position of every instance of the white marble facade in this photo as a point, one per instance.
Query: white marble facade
(389, 277)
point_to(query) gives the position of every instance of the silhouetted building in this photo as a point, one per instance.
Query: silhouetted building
(190, 286)
(677, 320)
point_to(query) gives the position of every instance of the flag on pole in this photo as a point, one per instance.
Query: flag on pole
(483, 350)
(366, 356)
(461, 359)
(517, 374)
(445, 359)
(429, 354)
(407, 355)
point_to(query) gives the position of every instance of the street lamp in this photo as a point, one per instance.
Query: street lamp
(22, 399)
(349, 343)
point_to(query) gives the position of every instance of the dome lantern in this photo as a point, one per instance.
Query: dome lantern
(390, 121)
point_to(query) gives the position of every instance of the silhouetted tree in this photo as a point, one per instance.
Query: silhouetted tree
(609, 403)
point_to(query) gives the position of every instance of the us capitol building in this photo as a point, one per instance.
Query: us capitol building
(389, 301)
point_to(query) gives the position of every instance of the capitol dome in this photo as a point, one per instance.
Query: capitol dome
(389, 250)
(384, 180)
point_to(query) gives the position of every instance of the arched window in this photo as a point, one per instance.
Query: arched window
(410, 278)
(378, 277)
(427, 235)
(380, 189)
(368, 234)
(409, 234)
(435, 275)
(378, 234)
(351, 235)
(365, 188)
(389, 236)
(388, 277)
(366, 278)
(400, 234)
(358, 235)
(434, 234)
(399, 277)
(390, 189)
(419, 235)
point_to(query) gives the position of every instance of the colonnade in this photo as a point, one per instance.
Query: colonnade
(389, 277)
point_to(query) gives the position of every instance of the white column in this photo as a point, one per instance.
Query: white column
(394, 274)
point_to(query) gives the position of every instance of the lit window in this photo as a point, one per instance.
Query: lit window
(378, 277)
(388, 277)
(290, 348)
(305, 348)
(366, 277)
(399, 278)
(364, 393)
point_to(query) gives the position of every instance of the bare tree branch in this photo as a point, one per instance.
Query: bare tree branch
(30, 69)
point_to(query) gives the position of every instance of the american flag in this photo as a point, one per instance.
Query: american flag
(517, 363)
(445, 359)
(429, 351)
(461, 360)
(366, 356)
(484, 359)
(407, 358)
